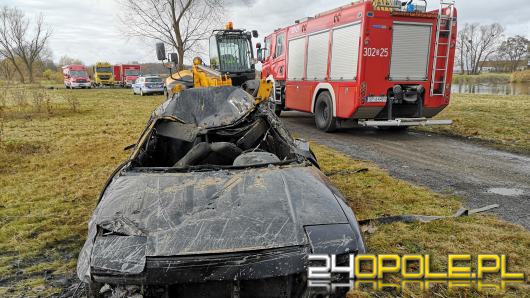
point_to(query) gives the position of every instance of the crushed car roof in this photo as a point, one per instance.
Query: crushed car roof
(208, 107)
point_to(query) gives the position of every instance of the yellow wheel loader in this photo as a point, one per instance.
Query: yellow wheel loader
(231, 64)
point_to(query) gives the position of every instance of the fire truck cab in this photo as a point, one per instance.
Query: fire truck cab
(371, 63)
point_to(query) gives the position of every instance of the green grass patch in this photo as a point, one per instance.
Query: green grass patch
(498, 119)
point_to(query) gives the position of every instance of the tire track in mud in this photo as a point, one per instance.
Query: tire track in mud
(481, 175)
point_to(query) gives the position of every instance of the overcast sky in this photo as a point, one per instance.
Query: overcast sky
(89, 29)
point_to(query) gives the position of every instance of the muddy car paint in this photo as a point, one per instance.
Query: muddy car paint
(255, 219)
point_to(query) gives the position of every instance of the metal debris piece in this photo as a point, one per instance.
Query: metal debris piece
(419, 218)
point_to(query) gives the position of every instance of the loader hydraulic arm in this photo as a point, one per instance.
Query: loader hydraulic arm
(206, 77)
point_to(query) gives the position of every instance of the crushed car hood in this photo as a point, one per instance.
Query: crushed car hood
(221, 211)
(175, 214)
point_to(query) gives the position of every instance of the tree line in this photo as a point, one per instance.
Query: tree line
(478, 43)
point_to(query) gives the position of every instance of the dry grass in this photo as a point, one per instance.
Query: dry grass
(497, 119)
(520, 76)
(374, 193)
(53, 165)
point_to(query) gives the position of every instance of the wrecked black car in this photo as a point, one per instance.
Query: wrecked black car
(217, 200)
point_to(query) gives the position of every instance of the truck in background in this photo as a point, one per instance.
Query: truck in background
(369, 63)
(76, 76)
(103, 75)
(126, 74)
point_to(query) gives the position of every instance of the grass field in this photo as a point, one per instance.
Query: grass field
(501, 120)
(56, 155)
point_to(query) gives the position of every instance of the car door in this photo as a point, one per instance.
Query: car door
(136, 85)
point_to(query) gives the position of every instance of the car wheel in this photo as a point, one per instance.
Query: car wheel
(324, 119)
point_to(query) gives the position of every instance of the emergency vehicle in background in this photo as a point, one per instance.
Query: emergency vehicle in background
(103, 75)
(370, 63)
(126, 74)
(76, 76)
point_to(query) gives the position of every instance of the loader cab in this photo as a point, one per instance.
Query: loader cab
(231, 53)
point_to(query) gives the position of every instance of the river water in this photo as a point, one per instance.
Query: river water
(492, 88)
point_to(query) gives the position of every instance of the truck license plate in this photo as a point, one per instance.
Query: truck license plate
(375, 99)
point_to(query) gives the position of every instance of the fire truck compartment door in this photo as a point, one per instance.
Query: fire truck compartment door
(317, 56)
(345, 52)
(296, 59)
(410, 51)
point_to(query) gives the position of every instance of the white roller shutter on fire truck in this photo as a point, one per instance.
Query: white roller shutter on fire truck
(410, 51)
(317, 56)
(296, 59)
(345, 52)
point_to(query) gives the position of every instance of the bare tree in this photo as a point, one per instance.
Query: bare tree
(479, 42)
(7, 43)
(514, 49)
(460, 56)
(181, 24)
(17, 41)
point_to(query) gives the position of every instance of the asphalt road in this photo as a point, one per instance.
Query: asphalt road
(481, 175)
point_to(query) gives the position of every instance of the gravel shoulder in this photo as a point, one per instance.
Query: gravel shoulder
(479, 174)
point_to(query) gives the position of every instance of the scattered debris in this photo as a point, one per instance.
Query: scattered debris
(367, 225)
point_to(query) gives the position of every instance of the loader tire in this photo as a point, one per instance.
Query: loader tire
(324, 119)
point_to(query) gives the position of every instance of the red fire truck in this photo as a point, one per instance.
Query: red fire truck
(76, 76)
(126, 74)
(370, 63)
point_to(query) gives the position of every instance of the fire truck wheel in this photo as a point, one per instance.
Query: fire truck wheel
(324, 113)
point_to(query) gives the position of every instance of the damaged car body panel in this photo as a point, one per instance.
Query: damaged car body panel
(215, 190)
